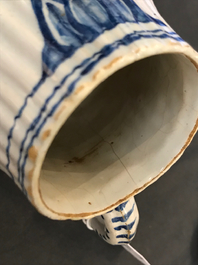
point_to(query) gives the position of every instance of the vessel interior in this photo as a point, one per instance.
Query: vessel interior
(127, 131)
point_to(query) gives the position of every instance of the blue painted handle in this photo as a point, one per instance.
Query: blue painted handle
(118, 226)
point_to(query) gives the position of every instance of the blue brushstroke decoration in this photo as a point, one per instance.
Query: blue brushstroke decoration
(129, 237)
(107, 229)
(121, 206)
(126, 227)
(124, 217)
(79, 22)
(66, 26)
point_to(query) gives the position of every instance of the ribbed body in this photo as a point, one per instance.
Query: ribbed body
(49, 50)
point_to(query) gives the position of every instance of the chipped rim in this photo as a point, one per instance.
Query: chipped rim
(80, 93)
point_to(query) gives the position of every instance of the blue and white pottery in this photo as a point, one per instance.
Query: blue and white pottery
(118, 226)
(99, 99)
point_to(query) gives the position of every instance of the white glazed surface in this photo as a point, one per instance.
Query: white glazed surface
(125, 133)
(131, 163)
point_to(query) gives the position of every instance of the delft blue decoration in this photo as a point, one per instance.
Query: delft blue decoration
(79, 22)
(125, 227)
(75, 23)
(122, 221)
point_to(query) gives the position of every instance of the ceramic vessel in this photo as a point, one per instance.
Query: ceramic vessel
(99, 99)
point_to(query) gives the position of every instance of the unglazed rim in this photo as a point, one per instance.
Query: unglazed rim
(77, 97)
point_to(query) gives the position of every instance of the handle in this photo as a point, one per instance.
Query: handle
(118, 226)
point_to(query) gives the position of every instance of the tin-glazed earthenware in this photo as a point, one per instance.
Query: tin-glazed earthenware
(99, 99)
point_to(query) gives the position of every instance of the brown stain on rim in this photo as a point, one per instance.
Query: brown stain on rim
(193, 62)
(29, 192)
(108, 66)
(96, 75)
(46, 134)
(173, 43)
(30, 174)
(137, 50)
(112, 62)
(79, 89)
(33, 153)
(56, 116)
(136, 191)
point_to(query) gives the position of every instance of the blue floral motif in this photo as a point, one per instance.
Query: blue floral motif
(68, 25)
